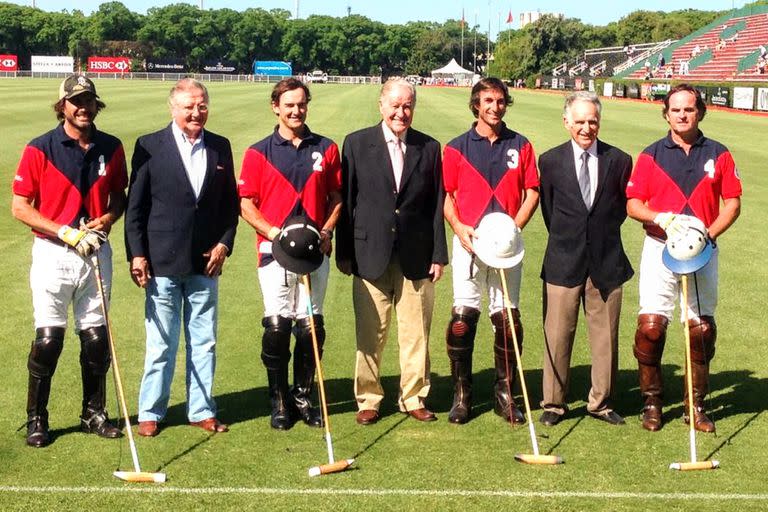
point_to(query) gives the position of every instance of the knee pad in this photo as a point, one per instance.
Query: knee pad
(94, 349)
(462, 328)
(275, 343)
(45, 351)
(650, 337)
(303, 333)
(501, 329)
(703, 334)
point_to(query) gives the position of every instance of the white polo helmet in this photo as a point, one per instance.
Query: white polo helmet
(689, 250)
(499, 243)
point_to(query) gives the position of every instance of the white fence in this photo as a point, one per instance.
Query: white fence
(204, 77)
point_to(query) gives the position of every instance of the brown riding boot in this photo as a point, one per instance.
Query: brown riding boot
(505, 364)
(651, 387)
(701, 421)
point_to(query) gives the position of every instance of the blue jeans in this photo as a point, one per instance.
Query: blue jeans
(167, 298)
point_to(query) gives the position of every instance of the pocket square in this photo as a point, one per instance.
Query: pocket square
(219, 167)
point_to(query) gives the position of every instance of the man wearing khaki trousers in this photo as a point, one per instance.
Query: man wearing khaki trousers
(391, 236)
(583, 202)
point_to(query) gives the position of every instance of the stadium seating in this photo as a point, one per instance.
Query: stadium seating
(742, 35)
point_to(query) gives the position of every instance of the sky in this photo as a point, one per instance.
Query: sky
(493, 12)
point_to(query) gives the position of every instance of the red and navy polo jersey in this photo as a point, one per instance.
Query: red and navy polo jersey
(668, 180)
(283, 180)
(485, 177)
(67, 183)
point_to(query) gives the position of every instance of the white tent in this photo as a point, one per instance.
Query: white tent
(454, 71)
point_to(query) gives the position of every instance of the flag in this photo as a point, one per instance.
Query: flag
(510, 18)
(462, 19)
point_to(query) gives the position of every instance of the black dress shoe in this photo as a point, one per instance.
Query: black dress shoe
(37, 432)
(550, 418)
(611, 417)
(98, 422)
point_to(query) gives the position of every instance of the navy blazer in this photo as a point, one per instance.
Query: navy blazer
(164, 222)
(584, 243)
(377, 218)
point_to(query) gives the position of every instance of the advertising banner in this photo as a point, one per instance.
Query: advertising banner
(109, 64)
(720, 96)
(762, 98)
(219, 66)
(165, 65)
(744, 97)
(51, 64)
(608, 89)
(272, 68)
(9, 63)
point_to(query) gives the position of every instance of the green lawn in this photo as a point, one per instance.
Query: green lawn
(401, 464)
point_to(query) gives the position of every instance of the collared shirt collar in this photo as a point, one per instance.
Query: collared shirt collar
(670, 143)
(181, 136)
(390, 136)
(577, 151)
(505, 132)
(62, 138)
(279, 140)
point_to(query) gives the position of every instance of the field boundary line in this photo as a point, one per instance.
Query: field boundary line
(674, 496)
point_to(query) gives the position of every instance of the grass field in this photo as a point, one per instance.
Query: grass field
(401, 464)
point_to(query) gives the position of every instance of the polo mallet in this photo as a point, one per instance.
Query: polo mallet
(333, 465)
(137, 475)
(693, 464)
(536, 457)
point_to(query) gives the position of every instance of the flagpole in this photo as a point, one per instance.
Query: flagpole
(462, 37)
(474, 53)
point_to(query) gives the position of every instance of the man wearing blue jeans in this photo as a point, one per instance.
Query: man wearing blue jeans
(180, 227)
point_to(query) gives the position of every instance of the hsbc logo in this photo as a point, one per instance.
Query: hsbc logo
(8, 63)
(102, 64)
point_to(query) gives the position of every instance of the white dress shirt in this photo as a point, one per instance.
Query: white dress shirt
(591, 165)
(194, 157)
(393, 140)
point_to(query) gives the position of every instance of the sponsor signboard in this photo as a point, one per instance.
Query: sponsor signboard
(166, 65)
(659, 90)
(744, 97)
(272, 68)
(219, 66)
(9, 63)
(109, 64)
(762, 98)
(52, 64)
(720, 96)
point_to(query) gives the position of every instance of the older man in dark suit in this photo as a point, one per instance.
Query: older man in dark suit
(583, 202)
(180, 226)
(391, 236)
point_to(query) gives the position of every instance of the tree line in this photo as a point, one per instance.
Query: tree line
(350, 45)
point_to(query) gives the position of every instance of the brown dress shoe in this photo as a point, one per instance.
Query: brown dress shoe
(652, 416)
(148, 428)
(367, 417)
(701, 421)
(422, 414)
(211, 425)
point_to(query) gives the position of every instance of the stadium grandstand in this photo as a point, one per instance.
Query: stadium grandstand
(731, 48)
(728, 49)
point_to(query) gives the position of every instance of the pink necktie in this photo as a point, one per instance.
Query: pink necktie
(397, 162)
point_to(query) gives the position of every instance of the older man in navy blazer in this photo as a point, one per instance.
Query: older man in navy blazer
(391, 236)
(583, 202)
(180, 226)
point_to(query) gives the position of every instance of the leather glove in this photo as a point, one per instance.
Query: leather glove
(85, 241)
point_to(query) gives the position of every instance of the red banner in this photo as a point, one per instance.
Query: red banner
(9, 63)
(109, 64)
